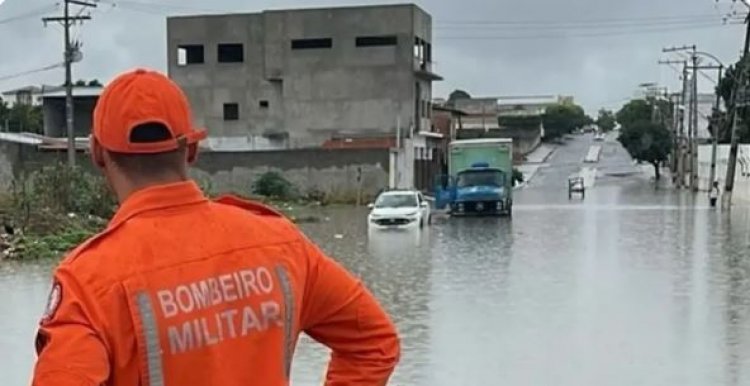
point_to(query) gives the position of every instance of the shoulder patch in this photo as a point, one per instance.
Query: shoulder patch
(248, 205)
(53, 301)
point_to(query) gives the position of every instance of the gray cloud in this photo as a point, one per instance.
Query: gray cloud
(575, 47)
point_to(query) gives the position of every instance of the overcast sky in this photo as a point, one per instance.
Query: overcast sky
(596, 50)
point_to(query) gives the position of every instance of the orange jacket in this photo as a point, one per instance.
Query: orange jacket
(179, 290)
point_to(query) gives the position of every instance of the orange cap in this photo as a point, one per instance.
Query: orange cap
(138, 97)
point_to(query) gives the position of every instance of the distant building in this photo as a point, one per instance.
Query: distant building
(516, 117)
(706, 105)
(334, 77)
(53, 107)
(481, 113)
(447, 120)
(29, 95)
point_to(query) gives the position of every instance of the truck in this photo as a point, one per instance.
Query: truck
(480, 178)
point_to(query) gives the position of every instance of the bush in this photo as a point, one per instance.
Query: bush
(274, 185)
(206, 186)
(62, 189)
(318, 196)
(47, 246)
(42, 200)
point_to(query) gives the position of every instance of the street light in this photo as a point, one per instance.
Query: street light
(706, 54)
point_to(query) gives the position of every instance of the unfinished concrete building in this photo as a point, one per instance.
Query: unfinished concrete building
(301, 78)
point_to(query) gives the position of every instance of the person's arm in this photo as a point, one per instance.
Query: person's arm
(339, 312)
(70, 352)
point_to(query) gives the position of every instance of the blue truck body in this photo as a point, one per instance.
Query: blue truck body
(479, 179)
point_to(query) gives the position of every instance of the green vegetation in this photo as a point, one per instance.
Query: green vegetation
(56, 208)
(51, 211)
(724, 89)
(275, 186)
(644, 131)
(606, 120)
(84, 83)
(458, 94)
(563, 118)
(21, 118)
(523, 122)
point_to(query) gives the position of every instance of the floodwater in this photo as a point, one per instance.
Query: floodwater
(631, 286)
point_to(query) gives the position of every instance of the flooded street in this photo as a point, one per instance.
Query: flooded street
(631, 286)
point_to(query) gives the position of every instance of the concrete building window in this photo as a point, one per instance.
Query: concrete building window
(376, 41)
(230, 53)
(422, 51)
(263, 104)
(303, 44)
(189, 54)
(231, 111)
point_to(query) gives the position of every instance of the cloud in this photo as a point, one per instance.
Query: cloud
(598, 51)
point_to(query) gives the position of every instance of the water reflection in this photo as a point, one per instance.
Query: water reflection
(400, 277)
(736, 282)
(23, 293)
(629, 287)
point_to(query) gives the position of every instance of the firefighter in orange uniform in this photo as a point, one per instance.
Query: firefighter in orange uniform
(179, 290)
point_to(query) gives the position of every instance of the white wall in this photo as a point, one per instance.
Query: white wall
(401, 171)
(742, 172)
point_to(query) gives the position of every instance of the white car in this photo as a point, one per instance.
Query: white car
(399, 209)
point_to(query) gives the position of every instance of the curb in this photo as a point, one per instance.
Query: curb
(554, 149)
(532, 175)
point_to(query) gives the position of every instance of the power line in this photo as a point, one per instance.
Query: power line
(710, 79)
(151, 7)
(584, 35)
(29, 72)
(588, 21)
(603, 26)
(36, 12)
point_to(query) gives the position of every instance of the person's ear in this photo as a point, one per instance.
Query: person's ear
(97, 153)
(192, 153)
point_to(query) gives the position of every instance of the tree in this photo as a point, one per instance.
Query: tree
(25, 118)
(635, 111)
(606, 120)
(561, 119)
(724, 89)
(80, 83)
(21, 117)
(95, 83)
(646, 139)
(4, 110)
(458, 94)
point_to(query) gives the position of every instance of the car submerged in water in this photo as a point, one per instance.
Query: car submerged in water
(399, 209)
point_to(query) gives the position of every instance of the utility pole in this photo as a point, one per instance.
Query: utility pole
(70, 56)
(715, 133)
(692, 114)
(674, 100)
(694, 124)
(678, 123)
(739, 88)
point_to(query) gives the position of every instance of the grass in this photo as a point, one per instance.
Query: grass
(43, 218)
(49, 235)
